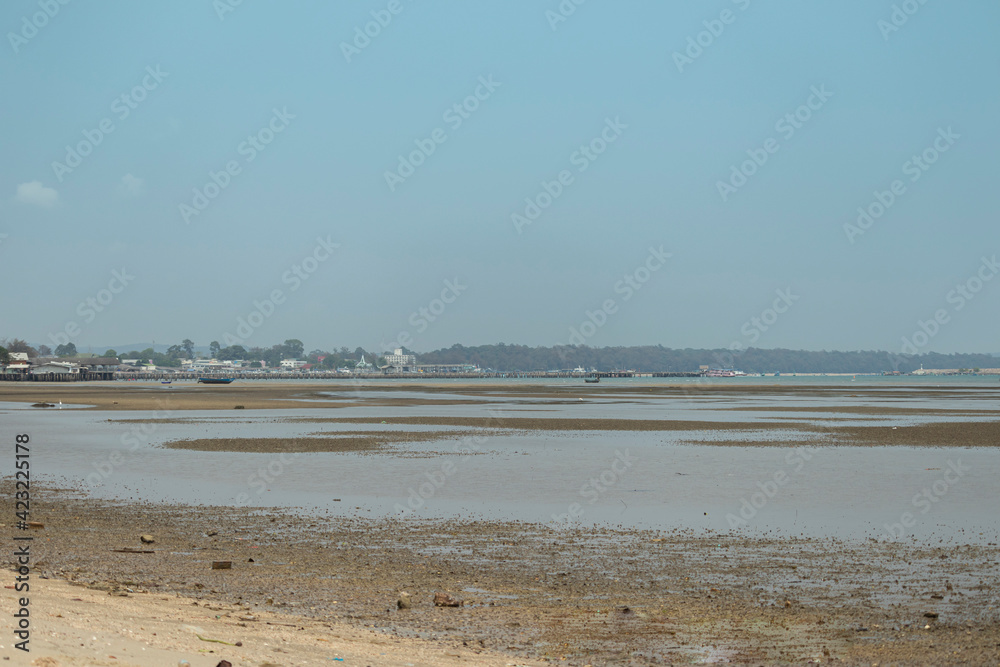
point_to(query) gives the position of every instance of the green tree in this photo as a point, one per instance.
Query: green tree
(232, 352)
(19, 345)
(294, 348)
(44, 351)
(4, 356)
(188, 346)
(213, 349)
(108, 353)
(66, 350)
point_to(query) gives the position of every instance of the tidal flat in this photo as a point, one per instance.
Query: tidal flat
(620, 524)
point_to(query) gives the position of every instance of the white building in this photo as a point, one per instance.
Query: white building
(55, 368)
(292, 364)
(212, 365)
(401, 361)
(18, 362)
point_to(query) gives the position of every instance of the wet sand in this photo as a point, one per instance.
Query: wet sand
(266, 395)
(599, 597)
(344, 441)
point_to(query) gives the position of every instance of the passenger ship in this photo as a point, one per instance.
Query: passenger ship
(723, 373)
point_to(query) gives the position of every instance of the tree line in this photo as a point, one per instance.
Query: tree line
(657, 358)
(508, 358)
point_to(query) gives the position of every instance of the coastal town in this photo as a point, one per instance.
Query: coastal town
(23, 366)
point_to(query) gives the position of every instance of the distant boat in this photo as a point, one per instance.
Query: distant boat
(165, 381)
(215, 380)
(723, 373)
(593, 379)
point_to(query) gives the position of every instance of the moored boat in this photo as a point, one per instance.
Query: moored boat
(723, 373)
(215, 380)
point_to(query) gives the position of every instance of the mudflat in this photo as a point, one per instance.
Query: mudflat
(589, 596)
(308, 587)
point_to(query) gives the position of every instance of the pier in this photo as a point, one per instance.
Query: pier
(158, 376)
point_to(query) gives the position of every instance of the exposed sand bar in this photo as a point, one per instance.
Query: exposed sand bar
(267, 395)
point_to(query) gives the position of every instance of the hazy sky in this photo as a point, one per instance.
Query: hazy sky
(627, 124)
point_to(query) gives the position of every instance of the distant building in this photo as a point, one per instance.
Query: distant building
(293, 364)
(363, 365)
(18, 363)
(212, 365)
(400, 361)
(55, 368)
(98, 364)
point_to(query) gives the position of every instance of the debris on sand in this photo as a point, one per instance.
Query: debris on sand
(442, 599)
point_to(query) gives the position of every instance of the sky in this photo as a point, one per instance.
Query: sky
(724, 173)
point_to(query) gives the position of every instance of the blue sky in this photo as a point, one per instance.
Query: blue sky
(337, 124)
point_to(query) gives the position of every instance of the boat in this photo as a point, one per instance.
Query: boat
(215, 380)
(723, 373)
(593, 379)
(165, 381)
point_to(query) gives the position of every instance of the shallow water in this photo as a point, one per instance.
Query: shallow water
(656, 479)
